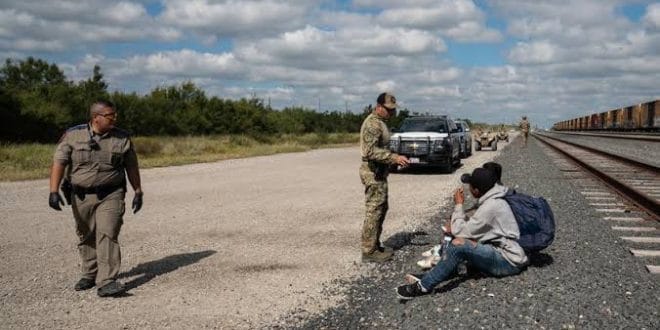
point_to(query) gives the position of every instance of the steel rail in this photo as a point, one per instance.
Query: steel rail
(649, 137)
(644, 202)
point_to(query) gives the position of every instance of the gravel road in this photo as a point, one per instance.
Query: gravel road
(243, 243)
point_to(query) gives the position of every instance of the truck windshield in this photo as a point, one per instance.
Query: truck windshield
(419, 125)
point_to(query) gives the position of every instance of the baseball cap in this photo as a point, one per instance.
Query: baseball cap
(387, 100)
(481, 178)
(496, 168)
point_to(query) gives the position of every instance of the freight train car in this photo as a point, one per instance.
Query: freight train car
(638, 117)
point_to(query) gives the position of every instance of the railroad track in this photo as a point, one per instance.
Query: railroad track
(626, 192)
(653, 137)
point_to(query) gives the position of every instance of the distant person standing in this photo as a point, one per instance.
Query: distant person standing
(99, 156)
(524, 128)
(376, 159)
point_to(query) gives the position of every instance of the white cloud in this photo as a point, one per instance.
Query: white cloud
(184, 63)
(232, 17)
(125, 12)
(540, 52)
(652, 16)
(557, 57)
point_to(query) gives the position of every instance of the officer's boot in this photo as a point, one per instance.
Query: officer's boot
(377, 256)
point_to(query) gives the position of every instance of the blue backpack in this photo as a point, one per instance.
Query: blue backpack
(535, 220)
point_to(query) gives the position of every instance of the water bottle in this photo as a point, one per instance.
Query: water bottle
(446, 240)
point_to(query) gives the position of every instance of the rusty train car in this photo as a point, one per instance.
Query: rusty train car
(639, 117)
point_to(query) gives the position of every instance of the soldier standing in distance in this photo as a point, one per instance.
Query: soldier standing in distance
(376, 159)
(524, 127)
(98, 156)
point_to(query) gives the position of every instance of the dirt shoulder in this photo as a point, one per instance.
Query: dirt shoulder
(231, 244)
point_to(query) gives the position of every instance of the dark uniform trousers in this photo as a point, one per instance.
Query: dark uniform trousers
(98, 220)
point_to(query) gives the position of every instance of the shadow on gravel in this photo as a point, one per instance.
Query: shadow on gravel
(399, 240)
(540, 260)
(427, 170)
(151, 269)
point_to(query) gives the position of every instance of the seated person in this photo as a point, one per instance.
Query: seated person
(487, 241)
(432, 256)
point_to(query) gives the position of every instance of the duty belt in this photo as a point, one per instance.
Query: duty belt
(102, 190)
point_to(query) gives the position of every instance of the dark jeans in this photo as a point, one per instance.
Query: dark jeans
(483, 257)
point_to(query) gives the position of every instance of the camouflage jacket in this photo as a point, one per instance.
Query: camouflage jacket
(375, 140)
(524, 125)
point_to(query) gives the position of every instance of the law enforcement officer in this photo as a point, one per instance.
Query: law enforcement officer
(97, 157)
(376, 159)
(524, 127)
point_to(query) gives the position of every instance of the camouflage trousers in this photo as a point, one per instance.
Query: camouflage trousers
(375, 193)
(525, 135)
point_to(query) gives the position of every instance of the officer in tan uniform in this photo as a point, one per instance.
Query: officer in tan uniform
(97, 157)
(524, 127)
(376, 159)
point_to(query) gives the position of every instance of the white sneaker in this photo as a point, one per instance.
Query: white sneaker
(434, 251)
(428, 262)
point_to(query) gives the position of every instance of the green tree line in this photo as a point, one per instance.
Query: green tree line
(38, 103)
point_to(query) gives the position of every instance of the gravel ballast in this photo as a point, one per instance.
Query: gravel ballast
(587, 279)
(643, 151)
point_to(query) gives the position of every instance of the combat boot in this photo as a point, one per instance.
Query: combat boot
(377, 256)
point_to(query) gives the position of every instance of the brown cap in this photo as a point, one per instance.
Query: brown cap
(387, 100)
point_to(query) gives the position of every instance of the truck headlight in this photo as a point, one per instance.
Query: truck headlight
(438, 145)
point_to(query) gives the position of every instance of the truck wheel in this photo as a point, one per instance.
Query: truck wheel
(449, 167)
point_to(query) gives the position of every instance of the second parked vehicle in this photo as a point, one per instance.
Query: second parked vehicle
(428, 141)
(465, 138)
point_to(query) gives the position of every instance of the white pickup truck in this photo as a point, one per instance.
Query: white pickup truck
(428, 141)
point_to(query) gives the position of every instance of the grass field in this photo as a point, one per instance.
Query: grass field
(32, 161)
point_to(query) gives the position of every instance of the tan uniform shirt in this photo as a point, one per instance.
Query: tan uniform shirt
(92, 166)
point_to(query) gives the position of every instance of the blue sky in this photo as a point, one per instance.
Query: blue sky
(486, 60)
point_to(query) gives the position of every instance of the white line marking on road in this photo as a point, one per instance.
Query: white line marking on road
(596, 193)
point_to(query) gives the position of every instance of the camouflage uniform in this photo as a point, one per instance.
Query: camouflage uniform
(376, 158)
(96, 168)
(524, 127)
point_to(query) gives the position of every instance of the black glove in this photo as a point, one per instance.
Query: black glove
(137, 203)
(67, 190)
(54, 201)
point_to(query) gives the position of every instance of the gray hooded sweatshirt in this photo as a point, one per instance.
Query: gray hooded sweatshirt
(493, 223)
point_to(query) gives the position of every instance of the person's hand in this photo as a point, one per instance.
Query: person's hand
(55, 200)
(402, 161)
(458, 196)
(446, 228)
(137, 202)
